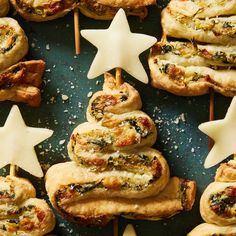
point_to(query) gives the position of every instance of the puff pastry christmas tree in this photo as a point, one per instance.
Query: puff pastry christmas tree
(217, 204)
(218, 201)
(114, 171)
(21, 212)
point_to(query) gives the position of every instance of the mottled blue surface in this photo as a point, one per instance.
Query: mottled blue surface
(183, 145)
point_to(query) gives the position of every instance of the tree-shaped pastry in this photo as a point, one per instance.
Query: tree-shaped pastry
(194, 68)
(218, 201)
(114, 171)
(21, 212)
(218, 204)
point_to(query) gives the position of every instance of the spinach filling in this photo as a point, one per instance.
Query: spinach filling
(7, 39)
(6, 194)
(224, 203)
(99, 105)
(183, 193)
(124, 183)
(14, 221)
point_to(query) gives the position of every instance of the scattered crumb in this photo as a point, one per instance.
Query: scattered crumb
(61, 142)
(90, 94)
(47, 47)
(64, 97)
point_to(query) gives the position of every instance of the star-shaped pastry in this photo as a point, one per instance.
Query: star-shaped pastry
(18, 141)
(118, 47)
(223, 132)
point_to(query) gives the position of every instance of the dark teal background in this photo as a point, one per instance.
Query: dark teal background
(183, 145)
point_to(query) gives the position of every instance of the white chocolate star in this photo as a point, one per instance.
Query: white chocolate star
(118, 47)
(18, 141)
(223, 132)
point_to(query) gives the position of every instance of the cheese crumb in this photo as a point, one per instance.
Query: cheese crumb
(64, 97)
(61, 142)
(89, 95)
(47, 47)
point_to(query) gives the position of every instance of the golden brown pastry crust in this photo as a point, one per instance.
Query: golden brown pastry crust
(226, 172)
(16, 190)
(22, 82)
(20, 212)
(112, 100)
(190, 80)
(107, 184)
(193, 54)
(177, 196)
(43, 10)
(213, 205)
(14, 43)
(204, 8)
(98, 11)
(206, 229)
(127, 3)
(219, 30)
(4, 7)
(119, 133)
(35, 219)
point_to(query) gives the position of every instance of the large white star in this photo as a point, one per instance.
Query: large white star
(118, 47)
(18, 141)
(223, 132)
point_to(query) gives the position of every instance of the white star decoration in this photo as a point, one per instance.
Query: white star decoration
(118, 47)
(18, 141)
(223, 132)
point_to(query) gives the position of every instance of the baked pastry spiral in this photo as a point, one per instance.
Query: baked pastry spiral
(186, 68)
(181, 24)
(20, 212)
(13, 42)
(203, 8)
(218, 204)
(65, 194)
(112, 100)
(41, 10)
(226, 172)
(106, 10)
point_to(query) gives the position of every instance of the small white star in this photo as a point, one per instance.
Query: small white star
(18, 141)
(223, 132)
(118, 47)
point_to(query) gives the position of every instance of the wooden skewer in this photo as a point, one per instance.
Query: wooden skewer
(163, 39)
(12, 170)
(119, 80)
(76, 30)
(115, 227)
(211, 114)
